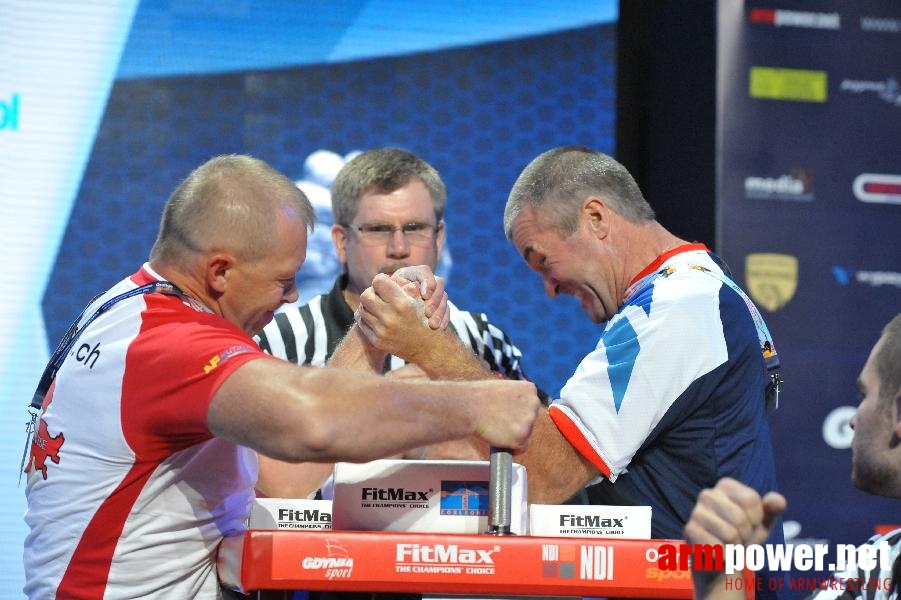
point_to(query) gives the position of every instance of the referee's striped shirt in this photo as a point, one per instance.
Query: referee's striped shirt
(309, 334)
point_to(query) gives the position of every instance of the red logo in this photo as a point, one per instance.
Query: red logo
(44, 446)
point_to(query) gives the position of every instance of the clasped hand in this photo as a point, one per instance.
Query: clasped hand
(398, 311)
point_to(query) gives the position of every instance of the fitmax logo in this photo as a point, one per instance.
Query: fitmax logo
(288, 514)
(588, 521)
(373, 493)
(9, 113)
(439, 553)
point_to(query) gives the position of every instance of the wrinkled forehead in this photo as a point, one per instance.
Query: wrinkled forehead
(527, 231)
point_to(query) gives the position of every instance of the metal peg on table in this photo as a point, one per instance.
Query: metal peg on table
(500, 484)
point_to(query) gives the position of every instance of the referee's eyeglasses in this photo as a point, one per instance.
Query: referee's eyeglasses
(377, 234)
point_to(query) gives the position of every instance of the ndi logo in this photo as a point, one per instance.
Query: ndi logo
(9, 113)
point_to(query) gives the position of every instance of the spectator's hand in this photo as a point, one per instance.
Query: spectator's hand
(429, 288)
(729, 513)
(733, 513)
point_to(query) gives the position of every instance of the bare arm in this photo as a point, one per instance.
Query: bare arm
(730, 513)
(556, 470)
(280, 479)
(295, 413)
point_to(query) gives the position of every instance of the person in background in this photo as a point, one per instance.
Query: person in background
(153, 410)
(388, 208)
(733, 513)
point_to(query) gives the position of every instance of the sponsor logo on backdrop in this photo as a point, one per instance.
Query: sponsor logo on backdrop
(798, 85)
(889, 91)
(772, 278)
(877, 188)
(796, 186)
(837, 432)
(9, 113)
(571, 561)
(464, 498)
(880, 24)
(778, 17)
(847, 276)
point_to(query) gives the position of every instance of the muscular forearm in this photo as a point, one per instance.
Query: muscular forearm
(355, 352)
(445, 357)
(556, 470)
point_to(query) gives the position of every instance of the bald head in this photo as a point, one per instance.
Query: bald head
(230, 203)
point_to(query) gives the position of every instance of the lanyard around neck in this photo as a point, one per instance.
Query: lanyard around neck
(79, 326)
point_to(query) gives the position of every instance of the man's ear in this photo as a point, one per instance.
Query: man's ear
(597, 215)
(339, 239)
(218, 267)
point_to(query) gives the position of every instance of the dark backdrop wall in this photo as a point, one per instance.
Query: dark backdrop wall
(770, 131)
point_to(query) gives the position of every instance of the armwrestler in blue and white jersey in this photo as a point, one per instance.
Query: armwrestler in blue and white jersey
(673, 397)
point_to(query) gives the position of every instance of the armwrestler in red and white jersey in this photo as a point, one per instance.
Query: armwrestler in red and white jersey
(144, 455)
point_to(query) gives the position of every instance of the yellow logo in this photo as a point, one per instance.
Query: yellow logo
(788, 84)
(214, 362)
(772, 279)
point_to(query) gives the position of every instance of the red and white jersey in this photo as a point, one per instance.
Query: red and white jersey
(128, 492)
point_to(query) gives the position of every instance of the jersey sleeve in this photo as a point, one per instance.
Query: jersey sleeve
(659, 343)
(173, 370)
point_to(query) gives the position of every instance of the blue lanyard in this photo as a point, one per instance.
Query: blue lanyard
(65, 345)
(72, 335)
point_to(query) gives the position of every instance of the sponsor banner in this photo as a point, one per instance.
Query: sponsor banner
(809, 233)
(457, 564)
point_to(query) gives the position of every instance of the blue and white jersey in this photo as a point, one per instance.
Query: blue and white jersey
(672, 397)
